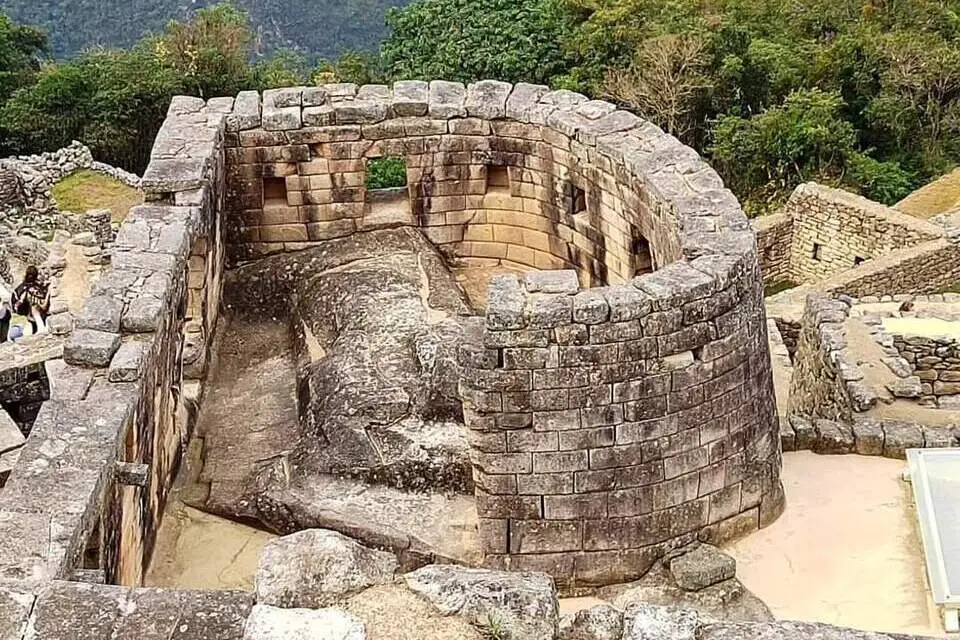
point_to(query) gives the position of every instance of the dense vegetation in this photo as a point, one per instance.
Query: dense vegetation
(321, 27)
(859, 93)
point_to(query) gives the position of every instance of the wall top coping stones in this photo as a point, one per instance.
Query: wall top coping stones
(716, 238)
(854, 201)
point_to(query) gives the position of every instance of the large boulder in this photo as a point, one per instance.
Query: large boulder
(601, 622)
(317, 568)
(271, 623)
(789, 630)
(510, 605)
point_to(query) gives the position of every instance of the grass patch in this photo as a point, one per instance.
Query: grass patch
(84, 190)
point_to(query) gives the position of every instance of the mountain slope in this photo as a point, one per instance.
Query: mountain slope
(319, 27)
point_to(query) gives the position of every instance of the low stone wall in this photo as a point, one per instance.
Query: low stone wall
(826, 381)
(774, 246)
(863, 436)
(834, 230)
(29, 203)
(89, 488)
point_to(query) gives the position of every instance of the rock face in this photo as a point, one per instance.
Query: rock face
(270, 623)
(375, 319)
(725, 600)
(316, 568)
(702, 567)
(602, 622)
(518, 605)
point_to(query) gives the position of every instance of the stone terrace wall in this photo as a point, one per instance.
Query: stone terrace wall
(496, 174)
(834, 230)
(91, 481)
(826, 382)
(774, 244)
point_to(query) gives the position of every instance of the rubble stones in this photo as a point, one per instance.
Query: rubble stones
(522, 604)
(705, 565)
(316, 568)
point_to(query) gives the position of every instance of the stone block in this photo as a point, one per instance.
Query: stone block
(487, 99)
(90, 348)
(411, 98)
(142, 314)
(272, 623)
(101, 313)
(900, 436)
(702, 567)
(833, 438)
(868, 438)
(447, 100)
(788, 437)
(128, 362)
(551, 282)
(806, 433)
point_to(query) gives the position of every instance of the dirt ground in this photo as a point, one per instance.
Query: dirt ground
(939, 196)
(846, 551)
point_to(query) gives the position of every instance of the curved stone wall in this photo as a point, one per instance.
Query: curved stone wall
(608, 424)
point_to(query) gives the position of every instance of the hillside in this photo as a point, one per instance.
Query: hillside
(319, 27)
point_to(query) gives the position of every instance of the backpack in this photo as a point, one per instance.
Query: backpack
(19, 301)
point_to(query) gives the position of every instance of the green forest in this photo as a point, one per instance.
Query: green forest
(863, 94)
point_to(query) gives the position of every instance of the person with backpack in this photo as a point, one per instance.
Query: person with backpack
(31, 298)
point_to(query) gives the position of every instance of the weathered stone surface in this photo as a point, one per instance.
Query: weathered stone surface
(725, 600)
(411, 98)
(702, 567)
(601, 622)
(10, 436)
(900, 436)
(101, 313)
(806, 432)
(789, 630)
(90, 348)
(652, 622)
(15, 606)
(868, 438)
(67, 382)
(128, 362)
(833, 438)
(316, 568)
(271, 623)
(906, 387)
(522, 604)
(447, 99)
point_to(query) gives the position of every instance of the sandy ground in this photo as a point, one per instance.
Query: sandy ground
(846, 551)
(196, 550)
(927, 327)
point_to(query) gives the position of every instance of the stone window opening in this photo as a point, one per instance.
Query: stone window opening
(578, 201)
(274, 191)
(858, 260)
(498, 179)
(642, 258)
(387, 191)
(817, 251)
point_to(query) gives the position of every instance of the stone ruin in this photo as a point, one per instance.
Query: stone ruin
(609, 412)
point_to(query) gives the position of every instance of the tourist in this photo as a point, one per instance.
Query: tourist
(6, 313)
(32, 299)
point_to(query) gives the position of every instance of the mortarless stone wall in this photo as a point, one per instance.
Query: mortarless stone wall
(834, 231)
(774, 246)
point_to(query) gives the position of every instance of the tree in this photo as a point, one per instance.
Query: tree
(468, 40)
(21, 51)
(663, 82)
(285, 68)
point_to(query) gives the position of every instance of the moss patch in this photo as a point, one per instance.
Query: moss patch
(84, 190)
(777, 287)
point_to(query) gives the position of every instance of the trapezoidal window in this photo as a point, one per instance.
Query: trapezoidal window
(388, 199)
(817, 251)
(578, 200)
(857, 261)
(642, 258)
(274, 191)
(498, 179)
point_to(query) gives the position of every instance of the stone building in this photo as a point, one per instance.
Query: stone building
(618, 399)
